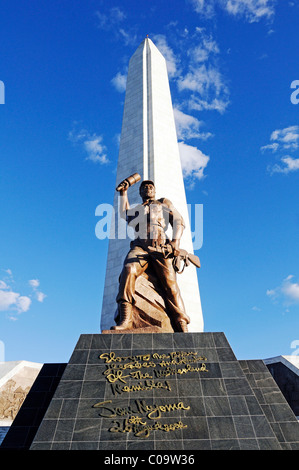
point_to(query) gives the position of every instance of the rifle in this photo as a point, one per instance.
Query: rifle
(167, 251)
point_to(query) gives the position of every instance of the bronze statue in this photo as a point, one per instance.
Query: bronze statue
(152, 248)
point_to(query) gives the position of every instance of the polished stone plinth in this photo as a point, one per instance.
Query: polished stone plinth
(167, 391)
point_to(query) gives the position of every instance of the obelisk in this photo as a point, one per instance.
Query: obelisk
(149, 146)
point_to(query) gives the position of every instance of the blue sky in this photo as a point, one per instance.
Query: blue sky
(231, 66)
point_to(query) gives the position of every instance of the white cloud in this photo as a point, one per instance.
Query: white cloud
(282, 140)
(40, 296)
(288, 165)
(7, 298)
(120, 82)
(204, 7)
(287, 291)
(203, 50)
(187, 126)
(274, 147)
(113, 20)
(96, 151)
(203, 78)
(34, 283)
(287, 138)
(23, 303)
(209, 85)
(3, 285)
(215, 104)
(129, 37)
(92, 144)
(13, 300)
(291, 291)
(193, 161)
(172, 61)
(251, 10)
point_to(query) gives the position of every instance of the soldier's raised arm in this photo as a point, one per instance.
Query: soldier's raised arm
(124, 204)
(122, 188)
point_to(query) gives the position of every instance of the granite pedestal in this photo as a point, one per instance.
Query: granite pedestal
(163, 391)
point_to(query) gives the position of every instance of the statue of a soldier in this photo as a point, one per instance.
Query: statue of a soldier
(150, 221)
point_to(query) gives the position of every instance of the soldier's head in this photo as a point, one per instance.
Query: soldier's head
(147, 189)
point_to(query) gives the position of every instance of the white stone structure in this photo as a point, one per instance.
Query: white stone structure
(16, 379)
(149, 147)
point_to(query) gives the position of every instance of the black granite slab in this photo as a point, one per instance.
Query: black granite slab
(288, 382)
(273, 403)
(155, 391)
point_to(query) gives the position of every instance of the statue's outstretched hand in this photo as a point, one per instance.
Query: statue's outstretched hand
(175, 246)
(125, 187)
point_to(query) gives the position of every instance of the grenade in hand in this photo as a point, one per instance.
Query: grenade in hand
(130, 180)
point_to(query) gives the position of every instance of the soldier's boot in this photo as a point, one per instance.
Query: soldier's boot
(126, 317)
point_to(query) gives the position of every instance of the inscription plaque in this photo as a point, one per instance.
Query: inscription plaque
(145, 372)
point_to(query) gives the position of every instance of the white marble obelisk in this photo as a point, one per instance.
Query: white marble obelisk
(149, 146)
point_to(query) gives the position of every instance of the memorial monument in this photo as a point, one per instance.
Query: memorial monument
(152, 380)
(149, 147)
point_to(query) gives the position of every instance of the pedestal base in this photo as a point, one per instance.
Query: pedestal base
(167, 391)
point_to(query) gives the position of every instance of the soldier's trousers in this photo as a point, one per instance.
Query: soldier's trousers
(135, 264)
